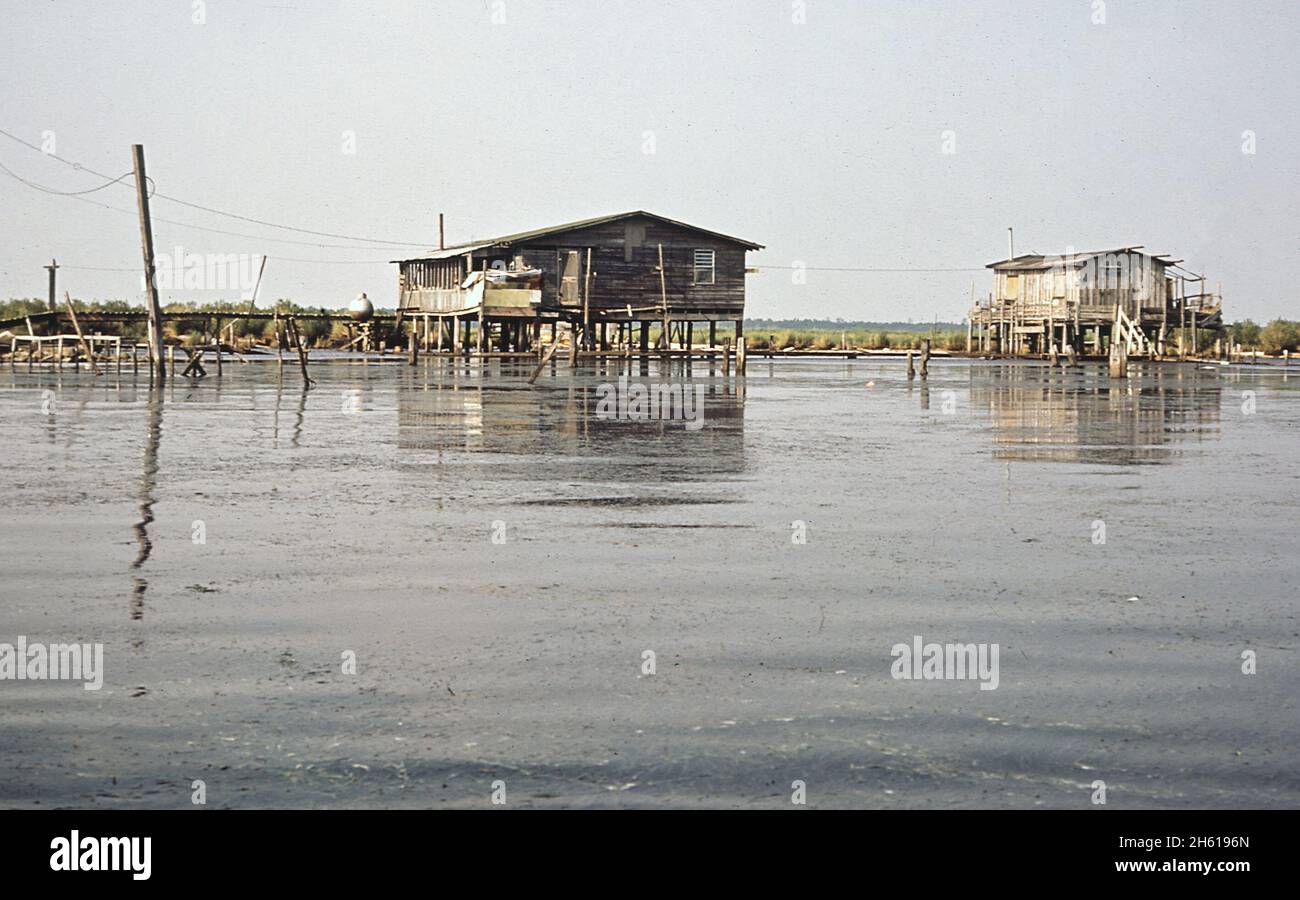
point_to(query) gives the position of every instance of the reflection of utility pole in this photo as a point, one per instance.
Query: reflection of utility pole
(53, 304)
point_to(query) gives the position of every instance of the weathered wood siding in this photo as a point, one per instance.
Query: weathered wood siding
(1134, 280)
(625, 259)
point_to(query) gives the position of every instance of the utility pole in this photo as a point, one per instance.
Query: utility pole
(53, 303)
(156, 360)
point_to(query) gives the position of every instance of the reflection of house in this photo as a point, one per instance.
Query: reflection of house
(557, 431)
(596, 272)
(1072, 420)
(1040, 303)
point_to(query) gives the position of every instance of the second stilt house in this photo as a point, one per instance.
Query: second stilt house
(1088, 300)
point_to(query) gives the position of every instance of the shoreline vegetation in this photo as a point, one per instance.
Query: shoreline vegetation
(1273, 338)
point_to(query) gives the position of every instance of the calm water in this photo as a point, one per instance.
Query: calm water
(498, 557)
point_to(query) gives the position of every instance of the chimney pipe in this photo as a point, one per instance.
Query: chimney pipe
(1011, 244)
(441, 241)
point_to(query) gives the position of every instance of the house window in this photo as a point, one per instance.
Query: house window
(633, 237)
(704, 267)
(1013, 287)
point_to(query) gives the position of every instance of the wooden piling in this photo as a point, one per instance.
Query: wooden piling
(925, 358)
(146, 249)
(81, 338)
(1118, 367)
(291, 327)
(542, 363)
(911, 369)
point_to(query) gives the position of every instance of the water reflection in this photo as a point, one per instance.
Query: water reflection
(494, 420)
(145, 495)
(1080, 415)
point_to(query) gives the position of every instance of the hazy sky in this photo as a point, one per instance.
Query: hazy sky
(823, 140)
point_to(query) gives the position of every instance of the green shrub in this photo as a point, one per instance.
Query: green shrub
(1279, 335)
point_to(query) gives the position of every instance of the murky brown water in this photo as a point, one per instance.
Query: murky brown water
(360, 517)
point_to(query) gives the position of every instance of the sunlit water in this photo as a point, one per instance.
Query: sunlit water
(498, 556)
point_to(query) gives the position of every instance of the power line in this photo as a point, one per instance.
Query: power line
(866, 269)
(214, 211)
(328, 234)
(240, 234)
(49, 190)
(373, 241)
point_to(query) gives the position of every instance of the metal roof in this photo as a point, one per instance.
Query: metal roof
(1034, 261)
(522, 236)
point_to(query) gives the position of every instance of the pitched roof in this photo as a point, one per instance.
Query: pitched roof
(520, 237)
(1032, 261)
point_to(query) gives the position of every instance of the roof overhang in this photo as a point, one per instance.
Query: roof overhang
(525, 236)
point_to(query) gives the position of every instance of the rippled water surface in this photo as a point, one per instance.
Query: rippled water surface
(499, 556)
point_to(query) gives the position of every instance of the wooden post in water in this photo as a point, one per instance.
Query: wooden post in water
(726, 357)
(666, 337)
(542, 362)
(72, 314)
(413, 345)
(146, 249)
(911, 370)
(218, 347)
(740, 356)
(586, 303)
(925, 358)
(1118, 367)
(291, 327)
(482, 309)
